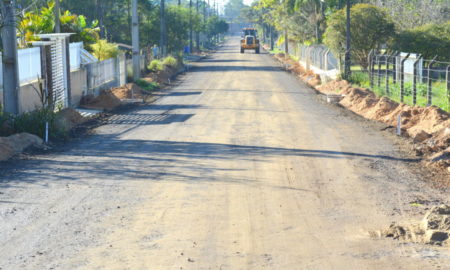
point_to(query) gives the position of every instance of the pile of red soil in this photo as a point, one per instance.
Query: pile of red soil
(164, 76)
(128, 91)
(334, 86)
(105, 101)
(294, 66)
(69, 118)
(15, 144)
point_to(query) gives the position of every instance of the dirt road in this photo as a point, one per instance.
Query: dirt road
(240, 166)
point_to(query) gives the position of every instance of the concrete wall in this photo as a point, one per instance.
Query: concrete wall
(78, 83)
(29, 99)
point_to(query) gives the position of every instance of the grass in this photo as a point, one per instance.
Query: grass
(439, 90)
(147, 86)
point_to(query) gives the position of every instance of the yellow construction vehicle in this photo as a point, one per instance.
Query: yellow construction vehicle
(249, 40)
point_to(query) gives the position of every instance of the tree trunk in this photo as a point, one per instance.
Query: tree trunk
(286, 42)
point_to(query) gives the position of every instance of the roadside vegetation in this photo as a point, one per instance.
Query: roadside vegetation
(382, 26)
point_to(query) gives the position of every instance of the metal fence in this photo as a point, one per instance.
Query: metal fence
(75, 55)
(101, 73)
(318, 56)
(411, 79)
(29, 62)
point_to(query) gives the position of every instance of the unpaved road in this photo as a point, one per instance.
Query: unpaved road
(240, 166)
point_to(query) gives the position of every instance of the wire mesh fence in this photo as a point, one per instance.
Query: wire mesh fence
(410, 79)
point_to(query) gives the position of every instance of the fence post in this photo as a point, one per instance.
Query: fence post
(448, 86)
(379, 69)
(388, 58)
(429, 91)
(394, 67)
(372, 68)
(308, 60)
(327, 53)
(402, 77)
(415, 79)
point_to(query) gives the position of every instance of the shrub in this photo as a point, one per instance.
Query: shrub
(103, 50)
(147, 86)
(156, 65)
(429, 40)
(32, 122)
(360, 78)
(170, 61)
(370, 29)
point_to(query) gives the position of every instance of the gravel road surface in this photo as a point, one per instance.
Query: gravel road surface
(238, 166)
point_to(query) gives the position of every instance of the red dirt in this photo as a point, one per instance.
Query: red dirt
(69, 118)
(105, 101)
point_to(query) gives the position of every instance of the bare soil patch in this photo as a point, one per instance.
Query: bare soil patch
(434, 228)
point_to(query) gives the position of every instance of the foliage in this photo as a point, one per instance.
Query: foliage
(147, 86)
(36, 22)
(156, 65)
(408, 14)
(32, 122)
(103, 50)
(42, 21)
(233, 9)
(429, 40)
(215, 26)
(170, 61)
(370, 29)
(71, 23)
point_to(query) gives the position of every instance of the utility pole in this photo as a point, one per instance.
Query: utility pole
(347, 61)
(197, 34)
(57, 13)
(190, 27)
(10, 67)
(135, 41)
(162, 35)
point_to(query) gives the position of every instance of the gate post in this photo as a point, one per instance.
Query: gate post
(429, 90)
(402, 77)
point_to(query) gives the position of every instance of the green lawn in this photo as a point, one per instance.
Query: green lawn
(439, 90)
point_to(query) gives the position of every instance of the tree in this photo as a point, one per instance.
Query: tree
(233, 9)
(409, 14)
(429, 40)
(370, 28)
(42, 21)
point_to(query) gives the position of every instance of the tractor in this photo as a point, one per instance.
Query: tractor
(249, 40)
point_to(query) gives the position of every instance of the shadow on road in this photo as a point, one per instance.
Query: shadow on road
(235, 68)
(106, 158)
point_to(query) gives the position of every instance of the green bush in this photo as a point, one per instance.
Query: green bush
(429, 40)
(156, 65)
(370, 28)
(360, 78)
(32, 122)
(170, 61)
(103, 50)
(147, 86)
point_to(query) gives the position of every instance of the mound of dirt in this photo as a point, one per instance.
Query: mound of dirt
(164, 76)
(335, 86)
(358, 100)
(130, 90)
(433, 229)
(105, 101)
(15, 144)
(69, 118)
